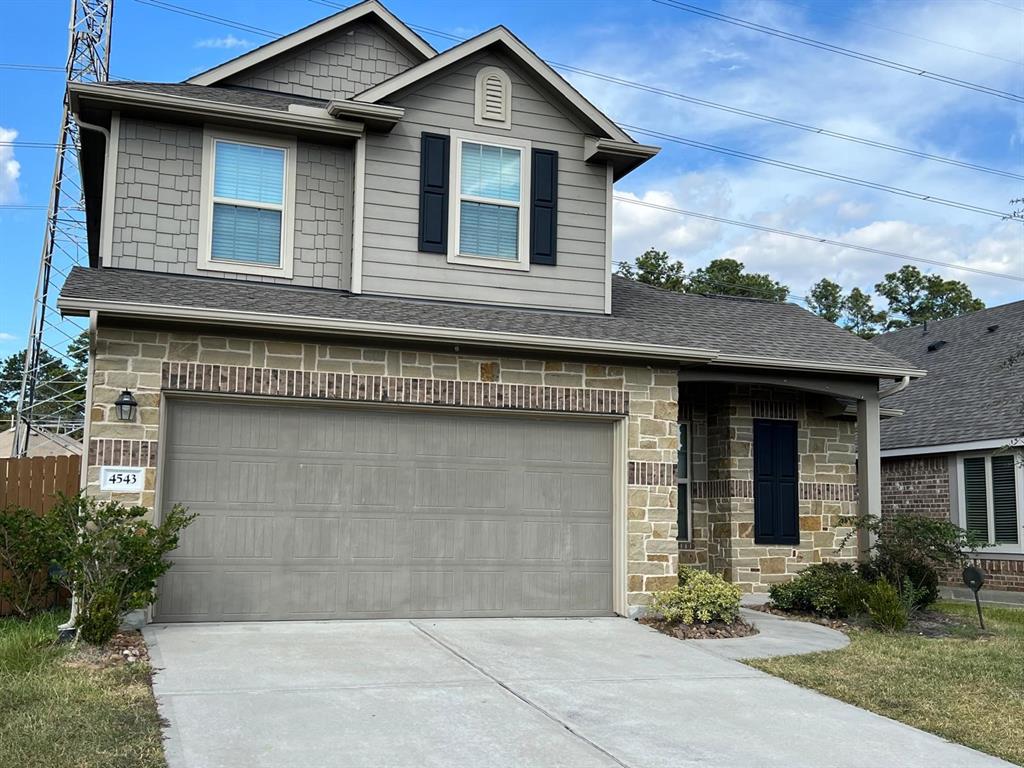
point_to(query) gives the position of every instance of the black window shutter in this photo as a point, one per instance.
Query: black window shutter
(543, 207)
(776, 483)
(433, 193)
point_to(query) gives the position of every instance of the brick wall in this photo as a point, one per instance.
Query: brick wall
(157, 199)
(150, 362)
(917, 485)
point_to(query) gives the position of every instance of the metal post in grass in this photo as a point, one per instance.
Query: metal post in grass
(974, 578)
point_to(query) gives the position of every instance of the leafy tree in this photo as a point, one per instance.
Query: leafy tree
(727, 277)
(62, 384)
(860, 316)
(915, 298)
(825, 299)
(653, 267)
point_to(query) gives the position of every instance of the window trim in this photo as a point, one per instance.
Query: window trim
(686, 482)
(960, 513)
(458, 138)
(284, 269)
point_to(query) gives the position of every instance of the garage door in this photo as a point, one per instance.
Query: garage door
(310, 512)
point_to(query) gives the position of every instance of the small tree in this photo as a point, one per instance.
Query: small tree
(915, 298)
(111, 558)
(653, 267)
(728, 277)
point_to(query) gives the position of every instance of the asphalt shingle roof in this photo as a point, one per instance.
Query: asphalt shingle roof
(640, 314)
(970, 392)
(249, 97)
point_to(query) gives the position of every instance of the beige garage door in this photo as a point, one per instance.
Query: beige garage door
(310, 512)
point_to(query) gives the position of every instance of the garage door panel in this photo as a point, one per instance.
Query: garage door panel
(320, 512)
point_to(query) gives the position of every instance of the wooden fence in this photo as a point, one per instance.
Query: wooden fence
(33, 483)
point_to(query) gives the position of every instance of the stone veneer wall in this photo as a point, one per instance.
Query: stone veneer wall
(920, 485)
(150, 361)
(722, 466)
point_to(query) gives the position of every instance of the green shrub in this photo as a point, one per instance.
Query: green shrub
(916, 578)
(834, 590)
(111, 558)
(28, 548)
(886, 606)
(700, 597)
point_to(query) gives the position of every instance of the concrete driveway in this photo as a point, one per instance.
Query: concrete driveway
(499, 692)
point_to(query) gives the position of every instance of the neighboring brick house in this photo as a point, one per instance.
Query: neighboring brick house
(957, 452)
(361, 295)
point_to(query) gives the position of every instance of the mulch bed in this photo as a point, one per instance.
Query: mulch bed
(126, 647)
(716, 630)
(924, 623)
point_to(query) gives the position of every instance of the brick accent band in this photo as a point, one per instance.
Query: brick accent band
(322, 385)
(744, 489)
(774, 409)
(651, 473)
(110, 451)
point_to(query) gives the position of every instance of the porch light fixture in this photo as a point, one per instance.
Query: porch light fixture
(126, 405)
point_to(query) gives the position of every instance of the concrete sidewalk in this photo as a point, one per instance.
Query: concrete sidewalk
(578, 693)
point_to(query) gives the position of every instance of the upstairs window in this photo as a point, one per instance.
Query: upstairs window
(493, 98)
(489, 218)
(991, 499)
(248, 193)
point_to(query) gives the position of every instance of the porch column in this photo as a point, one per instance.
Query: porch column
(869, 463)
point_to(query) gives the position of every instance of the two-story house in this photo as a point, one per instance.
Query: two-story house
(361, 295)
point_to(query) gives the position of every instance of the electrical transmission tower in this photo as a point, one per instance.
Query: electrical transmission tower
(52, 397)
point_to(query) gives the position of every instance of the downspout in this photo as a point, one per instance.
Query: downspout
(895, 389)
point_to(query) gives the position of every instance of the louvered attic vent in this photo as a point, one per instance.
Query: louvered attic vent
(493, 98)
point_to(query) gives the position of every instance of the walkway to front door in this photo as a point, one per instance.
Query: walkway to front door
(521, 693)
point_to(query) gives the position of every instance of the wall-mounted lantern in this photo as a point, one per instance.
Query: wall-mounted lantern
(126, 405)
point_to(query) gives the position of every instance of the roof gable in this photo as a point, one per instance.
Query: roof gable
(371, 10)
(501, 38)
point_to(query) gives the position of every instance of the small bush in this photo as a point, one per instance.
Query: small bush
(886, 606)
(111, 559)
(834, 590)
(915, 577)
(700, 597)
(28, 548)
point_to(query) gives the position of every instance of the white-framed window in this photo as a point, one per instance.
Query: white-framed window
(493, 98)
(683, 472)
(488, 215)
(990, 503)
(248, 204)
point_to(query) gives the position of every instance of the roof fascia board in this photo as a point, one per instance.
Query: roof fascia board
(73, 305)
(525, 55)
(811, 365)
(974, 445)
(375, 116)
(313, 31)
(114, 97)
(622, 156)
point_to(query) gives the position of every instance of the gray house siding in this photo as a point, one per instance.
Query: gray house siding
(157, 199)
(391, 262)
(336, 66)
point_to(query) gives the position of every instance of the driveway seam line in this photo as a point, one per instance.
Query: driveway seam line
(521, 697)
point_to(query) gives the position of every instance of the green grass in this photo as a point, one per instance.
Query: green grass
(966, 688)
(57, 713)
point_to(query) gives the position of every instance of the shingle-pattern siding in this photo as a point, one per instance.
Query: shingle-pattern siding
(916, 485)
(970, 392)
(339, 65)
(327, 385)
(157, 201)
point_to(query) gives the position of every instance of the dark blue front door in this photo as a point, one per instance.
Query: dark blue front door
(776, 482)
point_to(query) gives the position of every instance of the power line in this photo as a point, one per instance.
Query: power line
(912, 70)
(815, 238)
(161, 4)
(36, 67)
(824, 174)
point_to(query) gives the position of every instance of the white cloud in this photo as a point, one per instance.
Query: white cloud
(229, 42)
(4, 336)
(10, 169)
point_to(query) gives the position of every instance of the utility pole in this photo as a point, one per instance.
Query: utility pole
(44, 398)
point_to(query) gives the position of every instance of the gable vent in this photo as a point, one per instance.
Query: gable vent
(493, 98)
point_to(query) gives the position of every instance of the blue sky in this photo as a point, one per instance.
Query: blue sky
(981, 41)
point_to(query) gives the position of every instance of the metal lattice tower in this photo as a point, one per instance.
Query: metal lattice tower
(51, 401)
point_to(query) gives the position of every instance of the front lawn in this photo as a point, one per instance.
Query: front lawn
(966, 688)
(61, 708)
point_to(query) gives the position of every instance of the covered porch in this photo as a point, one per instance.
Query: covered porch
(770, 469)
